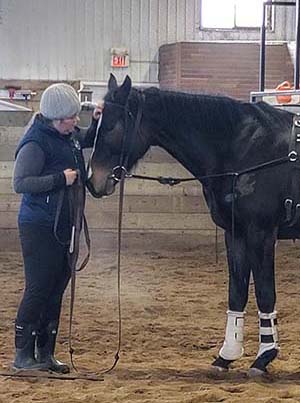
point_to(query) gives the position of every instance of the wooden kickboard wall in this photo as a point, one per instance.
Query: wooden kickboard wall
(155, 216)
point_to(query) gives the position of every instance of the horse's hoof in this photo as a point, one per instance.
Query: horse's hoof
(260, 364)
(221, 365)
(215, 370)
(256, 373)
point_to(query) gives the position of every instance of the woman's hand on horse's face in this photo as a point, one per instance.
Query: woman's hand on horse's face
(70, 175)
(97, 112)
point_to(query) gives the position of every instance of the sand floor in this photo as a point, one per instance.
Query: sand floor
(173, 320)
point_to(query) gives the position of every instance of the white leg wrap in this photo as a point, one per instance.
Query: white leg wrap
(232, 348)
(268, 335)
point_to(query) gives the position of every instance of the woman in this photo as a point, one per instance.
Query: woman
(48, 158)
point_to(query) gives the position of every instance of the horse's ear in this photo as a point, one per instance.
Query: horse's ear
(112, 82)
(125, 88)
(127, 83)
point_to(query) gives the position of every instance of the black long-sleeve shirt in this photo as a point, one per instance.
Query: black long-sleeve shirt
(31, 160)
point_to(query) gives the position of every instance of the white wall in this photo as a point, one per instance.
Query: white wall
(71, 39)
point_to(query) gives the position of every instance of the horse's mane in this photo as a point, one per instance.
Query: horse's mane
(219, 113)
(205, 101)
(218, 116)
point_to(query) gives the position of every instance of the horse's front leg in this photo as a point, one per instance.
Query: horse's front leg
(239, 274)
(262, 245)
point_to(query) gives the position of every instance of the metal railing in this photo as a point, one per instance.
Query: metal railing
(254, 95)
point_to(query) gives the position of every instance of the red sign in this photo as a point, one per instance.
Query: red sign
(119, 61)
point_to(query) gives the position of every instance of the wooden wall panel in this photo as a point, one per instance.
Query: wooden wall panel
(208, 67)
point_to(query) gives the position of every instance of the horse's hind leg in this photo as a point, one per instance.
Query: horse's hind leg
(262, 260)
(239, 273)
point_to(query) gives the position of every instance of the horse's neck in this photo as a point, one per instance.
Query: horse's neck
(192, 134)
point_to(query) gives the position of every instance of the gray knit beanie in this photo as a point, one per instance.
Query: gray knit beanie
(59, 101)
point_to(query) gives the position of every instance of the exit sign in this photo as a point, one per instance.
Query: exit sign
(119, 61)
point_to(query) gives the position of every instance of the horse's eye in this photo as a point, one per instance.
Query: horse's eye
(108, 123)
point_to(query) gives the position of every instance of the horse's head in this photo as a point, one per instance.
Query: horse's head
(118, 138)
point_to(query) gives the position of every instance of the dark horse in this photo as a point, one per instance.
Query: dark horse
(211, 135)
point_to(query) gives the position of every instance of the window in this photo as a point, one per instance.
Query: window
(228, 14)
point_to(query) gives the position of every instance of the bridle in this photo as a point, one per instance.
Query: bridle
(132, 125)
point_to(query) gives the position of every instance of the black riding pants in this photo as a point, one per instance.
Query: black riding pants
(47, 274)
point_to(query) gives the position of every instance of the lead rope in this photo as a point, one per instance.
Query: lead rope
(76, 203)
(121, 199)
(73, 273)
(122, 176)
(122, 172)
(74, 245)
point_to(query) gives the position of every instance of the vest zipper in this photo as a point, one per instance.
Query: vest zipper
(74, 154)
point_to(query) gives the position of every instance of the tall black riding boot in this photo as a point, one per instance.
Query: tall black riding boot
(45, 348)
(25, 336)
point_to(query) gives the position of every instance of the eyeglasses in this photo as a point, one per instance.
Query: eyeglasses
(74, 117)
